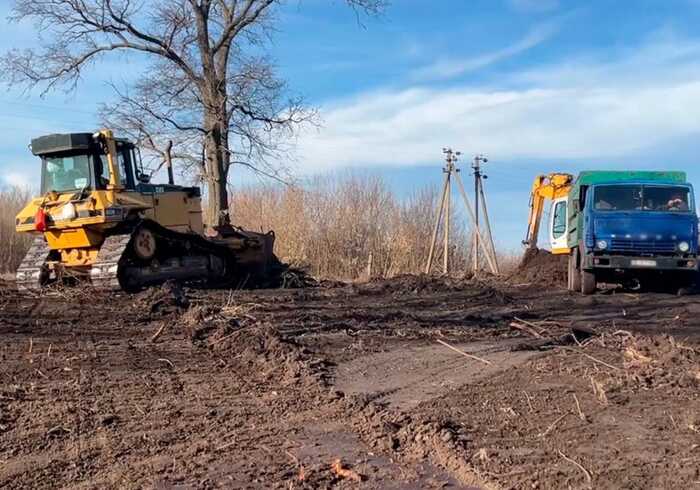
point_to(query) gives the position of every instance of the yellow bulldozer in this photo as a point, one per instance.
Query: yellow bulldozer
(99, 218)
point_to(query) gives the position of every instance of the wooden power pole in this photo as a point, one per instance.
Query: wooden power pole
(451, 171)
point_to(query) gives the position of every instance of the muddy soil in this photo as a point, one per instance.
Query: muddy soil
(541, 267)
(415, 382)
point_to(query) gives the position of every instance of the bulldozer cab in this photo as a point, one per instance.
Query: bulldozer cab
(80, 162)
(107, 171)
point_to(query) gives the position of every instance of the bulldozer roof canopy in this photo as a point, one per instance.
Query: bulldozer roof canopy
(57, 143)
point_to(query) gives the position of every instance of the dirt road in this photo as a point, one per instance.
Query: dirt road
(269, 388)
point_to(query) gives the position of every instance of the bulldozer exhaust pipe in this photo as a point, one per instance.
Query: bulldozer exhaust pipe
(169, 162)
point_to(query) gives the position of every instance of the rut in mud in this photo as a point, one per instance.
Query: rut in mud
(413, 382)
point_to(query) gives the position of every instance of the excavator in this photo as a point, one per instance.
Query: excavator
(554, 187)
(100, 219)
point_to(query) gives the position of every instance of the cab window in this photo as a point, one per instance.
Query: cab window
(123, 162)
(102, 171)
(66, 173)
(559, 220)
(124, 167)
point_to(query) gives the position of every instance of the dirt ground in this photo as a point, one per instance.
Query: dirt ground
(414, 382)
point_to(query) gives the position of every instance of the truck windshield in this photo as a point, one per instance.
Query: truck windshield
(642, 198)
(66, 173)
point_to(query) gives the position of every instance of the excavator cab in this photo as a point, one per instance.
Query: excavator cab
(555, 188)
(558, 224)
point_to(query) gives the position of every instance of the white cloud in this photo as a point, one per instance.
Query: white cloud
(582, 109)
(17, 179)
(452, 67)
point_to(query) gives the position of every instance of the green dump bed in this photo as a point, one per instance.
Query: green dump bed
(590, 177)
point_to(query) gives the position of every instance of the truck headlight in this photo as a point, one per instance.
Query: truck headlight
(601, 244)
(683, 246)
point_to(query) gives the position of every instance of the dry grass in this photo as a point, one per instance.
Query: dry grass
(13, 245)
(333, 225)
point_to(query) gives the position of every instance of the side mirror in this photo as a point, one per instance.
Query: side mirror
(577, 205)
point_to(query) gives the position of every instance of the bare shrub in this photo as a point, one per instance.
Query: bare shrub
(13, 245)
(334, 224)
(508, 260)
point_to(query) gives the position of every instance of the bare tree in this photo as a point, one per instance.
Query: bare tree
(204, 89)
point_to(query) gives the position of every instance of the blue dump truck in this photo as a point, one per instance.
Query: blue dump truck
(630, 227)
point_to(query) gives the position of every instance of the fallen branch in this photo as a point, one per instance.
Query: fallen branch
(589, 356)
(525, 328)
(529, 324)
(227, 445)
(578, 407)
(553, 425)
(470, 356)
(237, 332)
(589, 478)
(167, 361)
(158, 333)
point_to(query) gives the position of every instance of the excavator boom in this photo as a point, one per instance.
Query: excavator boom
(551, 186)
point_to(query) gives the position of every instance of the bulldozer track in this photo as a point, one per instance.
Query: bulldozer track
(104, 273)
(32, 271)
(115, 266)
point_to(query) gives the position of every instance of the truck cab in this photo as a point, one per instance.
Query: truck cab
(620, 227)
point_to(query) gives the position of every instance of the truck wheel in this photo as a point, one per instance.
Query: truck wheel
(574, 275)
(588, 282)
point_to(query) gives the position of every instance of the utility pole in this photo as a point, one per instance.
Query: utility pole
(450, 158)
(450, 170)
(476, 165)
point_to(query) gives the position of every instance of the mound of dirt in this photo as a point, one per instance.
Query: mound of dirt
(167, 299)
(275, 358)
(258, 348)
(543, 268)
(423, 284)
(418, 284)
(207, 325)
(657, 362)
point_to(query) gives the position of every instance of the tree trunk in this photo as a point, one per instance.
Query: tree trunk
(216, 176)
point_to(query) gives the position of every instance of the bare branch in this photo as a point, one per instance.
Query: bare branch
(203, 90)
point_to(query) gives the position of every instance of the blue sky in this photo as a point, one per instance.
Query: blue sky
(536, 85)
